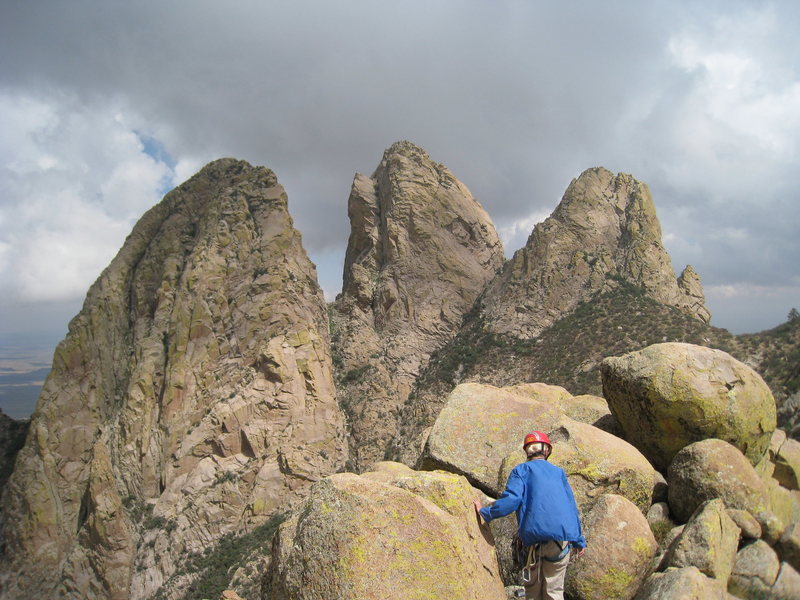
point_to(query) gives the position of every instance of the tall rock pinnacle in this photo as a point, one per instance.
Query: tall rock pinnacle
(421, 249)
(604, 231)
(193, 396)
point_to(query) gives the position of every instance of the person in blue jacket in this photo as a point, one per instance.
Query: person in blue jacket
(547, 516)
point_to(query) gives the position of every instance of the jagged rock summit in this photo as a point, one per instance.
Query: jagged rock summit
(193, 396)
(421, 249)
(604, 231)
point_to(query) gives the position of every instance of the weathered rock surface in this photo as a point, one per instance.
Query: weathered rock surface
(785, 457)
(669, 395)
(12, 437)
(482, 427)
(421, 249)
(193, 396)
(789, 545)
(714, 469)
(687, 583)
(660, 520)
(357, 537)
(709, 542)
(747, 523)
(604, 231)
(758, 573)
(619, 549)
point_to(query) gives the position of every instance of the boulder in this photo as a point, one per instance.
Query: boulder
(781, 464)
(620, 547)
(785, 504)
(758, 573)
(747, 523)
(664, 544)
(479, 426)
(660, 520)
(714, 469)
(787, 464)
(479, 434)
(356, 537)
(503, 532)
(598, 463)
(585, 408)
(709, 542)
(670, 395)
(787, 586)
(686, 583)
(789, 545)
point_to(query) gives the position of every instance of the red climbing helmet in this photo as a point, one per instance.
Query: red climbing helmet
(536, 436)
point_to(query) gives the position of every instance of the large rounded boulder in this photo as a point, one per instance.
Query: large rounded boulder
(620, 548)
(714, 469)
(686, 583)
(670, 395)
(481, 424)
(360, 537)
(596, 463)
(709, 542)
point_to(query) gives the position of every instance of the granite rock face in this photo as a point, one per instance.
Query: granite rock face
(604, 232)
(421, 249)
(12, 437)
(193, 396)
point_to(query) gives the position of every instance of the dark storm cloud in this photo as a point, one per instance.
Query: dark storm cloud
(516, 98)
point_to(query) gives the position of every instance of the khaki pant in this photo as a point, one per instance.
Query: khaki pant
(546, 578)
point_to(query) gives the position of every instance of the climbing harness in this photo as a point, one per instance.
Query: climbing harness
(535, 558)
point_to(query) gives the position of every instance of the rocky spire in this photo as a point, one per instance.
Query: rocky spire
(193, 396)
(421, 249)
(604, 232)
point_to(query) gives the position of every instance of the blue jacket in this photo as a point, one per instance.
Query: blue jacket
(545, 505)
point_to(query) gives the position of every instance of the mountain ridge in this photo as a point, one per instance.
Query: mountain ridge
(205, 385)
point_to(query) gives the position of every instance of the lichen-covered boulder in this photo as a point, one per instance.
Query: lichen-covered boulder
(620, 547)
(480, 425)
(356, 537)
(714, 469)
(686, 583)
(596, 463)
(670, 395)
(785, 504)
(709, 542)
(585, 408)
(503, 532)
(448, 491)
(593, 410)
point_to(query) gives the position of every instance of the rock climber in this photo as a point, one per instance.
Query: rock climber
(547, 515)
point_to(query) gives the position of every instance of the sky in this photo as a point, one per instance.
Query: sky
(106, 105)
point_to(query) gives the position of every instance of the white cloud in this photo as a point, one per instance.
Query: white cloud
(515, 234)
(743, 289)
(742, 108)
(74, 180)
